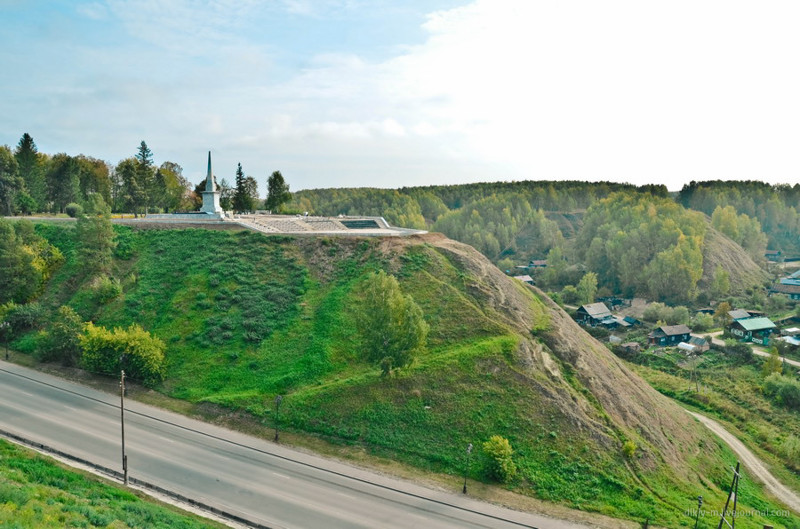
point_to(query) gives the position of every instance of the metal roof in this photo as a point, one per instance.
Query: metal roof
(596, 310)
(756, 324)
(738, 314)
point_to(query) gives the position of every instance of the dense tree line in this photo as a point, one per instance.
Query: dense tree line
(399, 209)
(639, 243)
(493, 224)
(31, 181)
(773, 206)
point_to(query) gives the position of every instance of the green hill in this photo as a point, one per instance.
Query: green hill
(247, 317)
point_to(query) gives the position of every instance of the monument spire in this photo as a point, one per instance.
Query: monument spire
(211, 194)
(210, 184)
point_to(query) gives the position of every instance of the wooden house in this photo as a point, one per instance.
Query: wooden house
(669, 335)
(790, 291)
(739, 314)
(756, 330)
(593, 314)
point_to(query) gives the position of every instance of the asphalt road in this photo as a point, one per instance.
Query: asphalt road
(258, 480)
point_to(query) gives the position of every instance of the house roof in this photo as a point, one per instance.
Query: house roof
(782, 288)
(696, 340)
(738, 314)
(674, 330)
(596, 310)
(756, 324)
(526, 278)
(791, 340)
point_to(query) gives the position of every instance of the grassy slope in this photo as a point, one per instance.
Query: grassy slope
(36, 493)
(732, 394)
(247, 317)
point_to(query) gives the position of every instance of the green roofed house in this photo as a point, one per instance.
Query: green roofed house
(756, 330)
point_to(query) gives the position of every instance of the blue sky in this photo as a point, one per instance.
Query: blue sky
(337, 93)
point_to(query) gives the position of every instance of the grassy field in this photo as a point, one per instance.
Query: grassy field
(247, 317)
(37, 493)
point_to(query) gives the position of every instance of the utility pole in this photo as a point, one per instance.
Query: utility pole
(732, 495)
(122, 422)
(466, 468)
(278, 401)
(4, 325)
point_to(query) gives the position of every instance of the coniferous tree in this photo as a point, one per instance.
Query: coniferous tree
(10, 183)
(96, 237)
(30, 170)
(145, 175)
(240, 202)
(132, 193)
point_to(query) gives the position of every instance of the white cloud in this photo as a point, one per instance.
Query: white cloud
(498, 89)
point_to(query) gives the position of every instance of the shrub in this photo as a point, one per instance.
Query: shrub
(629, 449)
(791, 448)
(25, 317)
(62, 341)
(500, 462)
(783, 390)
(103, 352)
(740, 353)
(106, 289)
(74, 210)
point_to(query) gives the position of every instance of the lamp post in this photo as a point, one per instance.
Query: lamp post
(278, 401)
(4, 325)
(466, 469)
(699, 505)
(122, 422)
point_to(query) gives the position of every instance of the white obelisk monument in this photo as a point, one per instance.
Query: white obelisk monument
(211, 194)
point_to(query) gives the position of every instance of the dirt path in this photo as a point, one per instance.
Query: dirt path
(757, 469)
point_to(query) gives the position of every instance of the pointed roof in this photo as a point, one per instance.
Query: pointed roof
(672, 330)
(210, 184)
(756, 324)
(596, 310)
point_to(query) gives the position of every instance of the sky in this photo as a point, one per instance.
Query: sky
(355, 93)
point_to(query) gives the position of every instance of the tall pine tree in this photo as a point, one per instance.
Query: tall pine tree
(241, 198)
(145, 176)
(30, 169)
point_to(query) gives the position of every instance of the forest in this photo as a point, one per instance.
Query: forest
(636, 241)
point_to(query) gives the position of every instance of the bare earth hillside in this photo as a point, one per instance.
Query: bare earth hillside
(632, 406)
(719, 250)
